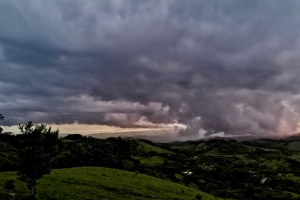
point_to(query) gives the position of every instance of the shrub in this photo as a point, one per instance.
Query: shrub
(198, 197)
(10, 185)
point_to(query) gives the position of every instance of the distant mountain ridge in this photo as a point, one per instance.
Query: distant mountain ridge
(293, 137)
(166, 139)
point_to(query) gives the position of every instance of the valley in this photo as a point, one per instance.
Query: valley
(117, 168)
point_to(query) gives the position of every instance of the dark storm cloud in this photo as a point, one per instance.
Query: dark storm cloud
(220, 66)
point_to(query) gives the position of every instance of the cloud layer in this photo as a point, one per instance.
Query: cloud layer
(219, 66)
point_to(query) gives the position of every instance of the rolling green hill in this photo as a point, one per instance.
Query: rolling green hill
(275, 144)
(154, 160)
(144, 147)
(294, 146)
(224, 168)
(87, 183)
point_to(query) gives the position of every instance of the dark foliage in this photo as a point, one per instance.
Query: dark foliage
(10, 185)
(38, 145)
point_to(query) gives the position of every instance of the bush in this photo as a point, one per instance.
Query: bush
(10, 185)
(198, 197)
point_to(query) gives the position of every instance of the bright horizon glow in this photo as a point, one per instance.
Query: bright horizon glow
(90, 129)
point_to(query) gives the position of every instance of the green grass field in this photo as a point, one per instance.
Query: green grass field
(144, 147)
(251, 148)
(154, 160)
(276, 164)
(293, 177)
(87, 183)
(293, 194)
(212, 152)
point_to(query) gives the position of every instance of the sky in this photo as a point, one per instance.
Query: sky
(193, 68)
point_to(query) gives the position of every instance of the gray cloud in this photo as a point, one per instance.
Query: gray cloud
(221, 66)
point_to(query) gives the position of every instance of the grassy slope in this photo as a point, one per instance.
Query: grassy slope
(89, 183)
(292, 177)
(271, 144)
(154, 160)
(212, 152)
(294, 146)
(144, 147)
(276, 164)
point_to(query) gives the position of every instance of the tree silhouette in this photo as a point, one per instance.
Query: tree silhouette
(38, 146)
(1, 118)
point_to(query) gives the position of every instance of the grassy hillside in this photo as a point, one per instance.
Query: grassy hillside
(144, 147)
(294, 146)
(278, 144)
(224, 168)
(153, 160)
(102, 183)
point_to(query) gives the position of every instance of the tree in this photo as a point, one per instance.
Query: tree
(1, 118)
(1, 129)
(38, 147)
